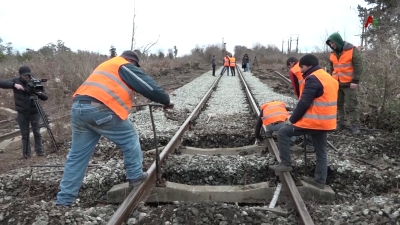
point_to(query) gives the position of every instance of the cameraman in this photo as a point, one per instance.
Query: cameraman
(26, 108)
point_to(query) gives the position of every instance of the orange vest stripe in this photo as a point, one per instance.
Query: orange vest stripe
(105, 85)
(296, 70)
(323, 111)
(273, 112)
(233, 61)
(343, 68)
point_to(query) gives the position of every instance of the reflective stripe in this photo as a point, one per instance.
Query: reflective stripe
(319, 117)
(112, 77)
(137, 77)
(343, 74)
(324, 103)
(301, 81)
(273, 114)
(274, 106)
(90, 83)
(343, 65)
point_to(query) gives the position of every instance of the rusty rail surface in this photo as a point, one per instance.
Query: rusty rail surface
(285, 177)
(17, 133)
(142, 192)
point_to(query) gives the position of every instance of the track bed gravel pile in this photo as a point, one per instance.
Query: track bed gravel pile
(218, 170)
(226, 120)
(210, 213)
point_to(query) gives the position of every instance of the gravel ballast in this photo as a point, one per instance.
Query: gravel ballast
(185, 100)
(226, 120)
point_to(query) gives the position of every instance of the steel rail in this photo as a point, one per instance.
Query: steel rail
(17, 132)
(285, 177)
(142, 192)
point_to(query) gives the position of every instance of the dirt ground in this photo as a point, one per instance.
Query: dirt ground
(168, 79)
(278, 85)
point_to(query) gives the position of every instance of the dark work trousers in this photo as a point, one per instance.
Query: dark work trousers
(23, 122)
(223, 70)
(319, 140)
(233, 70)
(213, 66)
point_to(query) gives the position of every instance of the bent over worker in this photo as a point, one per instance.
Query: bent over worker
(315, 114)
(273, 115)
(346, 67)
(101, 107)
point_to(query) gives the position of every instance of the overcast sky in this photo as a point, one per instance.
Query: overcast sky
(96, 25)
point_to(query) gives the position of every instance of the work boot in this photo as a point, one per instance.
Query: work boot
(134, 183)
(313, 182)
(281, 168)
(41, 154)
(268, 134)
(340, 126)
(355, 129)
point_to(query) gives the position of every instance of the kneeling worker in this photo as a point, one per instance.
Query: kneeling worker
(273, 115)
(315, 114)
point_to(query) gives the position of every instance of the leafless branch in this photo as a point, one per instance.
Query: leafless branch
(145, 49)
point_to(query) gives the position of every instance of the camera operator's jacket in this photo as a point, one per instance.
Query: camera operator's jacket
(23, 103)
(114, 82)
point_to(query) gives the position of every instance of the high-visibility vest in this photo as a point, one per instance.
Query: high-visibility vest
(296, 70)
(323, 111)
(226, 61)
(343, 68)
(273, 112)
(105, 85)
(233, 61)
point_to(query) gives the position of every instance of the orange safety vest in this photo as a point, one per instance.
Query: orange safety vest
(343, 68)
(273, 112)
(233, 61)
(296, 70)
(322, 113)
(105, 85)
(226, 61)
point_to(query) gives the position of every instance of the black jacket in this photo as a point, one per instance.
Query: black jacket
(22, 100)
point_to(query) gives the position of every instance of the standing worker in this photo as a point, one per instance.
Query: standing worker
(346, 67)
(232, 62)
(273, 115)
(246, 61)
(315, 114)
(213, 65)
(297, 80)
(27, 111)
(101, 107)
(226, 65)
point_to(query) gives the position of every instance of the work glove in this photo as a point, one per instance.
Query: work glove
(287, 121)
(170, 106)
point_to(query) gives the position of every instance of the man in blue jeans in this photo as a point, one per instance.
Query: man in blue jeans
(101, 107)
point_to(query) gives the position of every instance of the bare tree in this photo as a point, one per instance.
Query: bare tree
(145, 48)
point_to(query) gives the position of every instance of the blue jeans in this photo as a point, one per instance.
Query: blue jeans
(319, 140)
(89, 123)
(247, 67)
(276, 127)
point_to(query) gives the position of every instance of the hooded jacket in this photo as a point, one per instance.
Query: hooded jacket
(357, 60)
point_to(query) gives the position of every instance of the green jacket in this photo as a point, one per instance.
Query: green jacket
(357, 60)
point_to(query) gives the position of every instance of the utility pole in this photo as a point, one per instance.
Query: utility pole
(290, 46)
(297, 45)
(288, 49)
(283, 42)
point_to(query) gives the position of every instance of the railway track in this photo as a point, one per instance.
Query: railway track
(143, 191)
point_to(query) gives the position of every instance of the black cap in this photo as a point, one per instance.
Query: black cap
(24, 70)
(128, 54)
(309, 60)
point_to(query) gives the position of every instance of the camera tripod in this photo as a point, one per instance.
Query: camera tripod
(44, 119)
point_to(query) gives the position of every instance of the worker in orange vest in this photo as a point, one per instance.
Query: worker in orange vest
(315, 114)
(101, 106)
(232, 63)
(227, 64)
(296, 78)
(272, 115)
(347, 68)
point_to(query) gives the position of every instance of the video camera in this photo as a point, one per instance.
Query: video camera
(36, 85)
